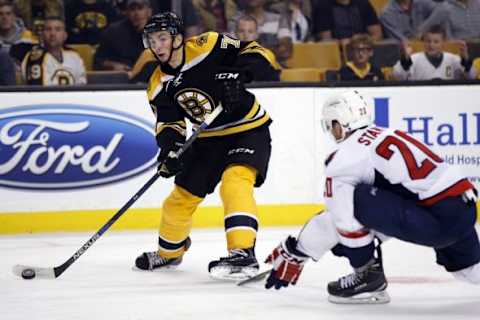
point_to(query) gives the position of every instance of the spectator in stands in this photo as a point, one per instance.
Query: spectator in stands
(434, 63)
(121, 43)
(460, 18)
(402, 19)
(291, 11)
(12, 30)
(215, 14)
(246, 29)
(306, 6)
(273, 32)
(185, 10)
(52, 63)
(33, 12)
(7, 70)
(360, 68)
(86, 19)
(341, 19)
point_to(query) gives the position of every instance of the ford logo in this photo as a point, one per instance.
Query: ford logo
(64, 146)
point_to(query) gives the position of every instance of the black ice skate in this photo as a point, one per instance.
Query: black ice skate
(240, 264)
(367, 285)
(152, 260)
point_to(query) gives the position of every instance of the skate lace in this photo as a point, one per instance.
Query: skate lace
(156, 259)
(350, 280)
(235, 253)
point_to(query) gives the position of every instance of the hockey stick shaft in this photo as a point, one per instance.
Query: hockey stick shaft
(57, 271)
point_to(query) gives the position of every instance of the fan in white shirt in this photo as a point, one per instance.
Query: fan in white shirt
(52, 63)
(434, 63)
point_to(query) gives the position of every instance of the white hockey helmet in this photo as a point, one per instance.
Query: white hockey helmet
(350, 109)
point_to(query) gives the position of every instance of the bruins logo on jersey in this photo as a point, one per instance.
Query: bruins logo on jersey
(195, 102)
(90, 20)
(201, 40)
(63, 77)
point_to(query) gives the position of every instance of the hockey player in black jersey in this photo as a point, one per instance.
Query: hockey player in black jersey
(193, 77)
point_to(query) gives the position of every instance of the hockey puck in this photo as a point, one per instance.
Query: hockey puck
(28, 274)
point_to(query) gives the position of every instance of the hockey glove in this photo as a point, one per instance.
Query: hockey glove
(231, 88)
(169, 163)
(287, 263)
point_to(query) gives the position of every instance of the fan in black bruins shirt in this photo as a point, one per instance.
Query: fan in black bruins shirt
(193, 77)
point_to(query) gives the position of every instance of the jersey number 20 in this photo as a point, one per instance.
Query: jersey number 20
(414, 170)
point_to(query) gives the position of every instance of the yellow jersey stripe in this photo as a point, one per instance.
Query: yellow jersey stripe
(240, 128)
(361, 73)
(180, 127)
(253, 111)
(254, 47)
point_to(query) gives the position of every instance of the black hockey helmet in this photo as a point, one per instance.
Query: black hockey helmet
(165, 21)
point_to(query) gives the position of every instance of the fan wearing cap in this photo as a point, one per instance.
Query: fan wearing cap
(195, 76)
(121, 43)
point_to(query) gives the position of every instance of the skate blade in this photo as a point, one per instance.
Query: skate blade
(377, 297)
(232, 274)
(162, 269)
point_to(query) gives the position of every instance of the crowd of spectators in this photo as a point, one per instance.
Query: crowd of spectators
(112, 29)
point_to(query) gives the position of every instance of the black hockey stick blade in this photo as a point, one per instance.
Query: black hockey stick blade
(259, 277)
(30, 272)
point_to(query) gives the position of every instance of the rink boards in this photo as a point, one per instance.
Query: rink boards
(69, 160)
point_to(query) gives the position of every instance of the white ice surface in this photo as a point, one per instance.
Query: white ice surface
(101, 284)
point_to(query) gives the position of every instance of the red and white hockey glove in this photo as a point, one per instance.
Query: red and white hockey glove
(287, 263)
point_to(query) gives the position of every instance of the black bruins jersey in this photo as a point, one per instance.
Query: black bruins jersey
(351, 72)
(191, 90)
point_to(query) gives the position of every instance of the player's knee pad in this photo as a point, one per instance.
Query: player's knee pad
(236, 191)
(176, 223)
(470, 274)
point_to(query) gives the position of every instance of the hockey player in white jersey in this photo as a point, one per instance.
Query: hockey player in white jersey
(381, 183)
(434, 62)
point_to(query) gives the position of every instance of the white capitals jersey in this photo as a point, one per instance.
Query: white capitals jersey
(41, 68)
(389, 159)
(422, 69)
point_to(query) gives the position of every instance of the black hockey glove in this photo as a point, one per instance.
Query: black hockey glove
(169, 163)
(287, 264)
(230, 88)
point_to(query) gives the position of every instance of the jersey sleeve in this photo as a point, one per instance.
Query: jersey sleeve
(399, 73)
(339, 199)
(170, 127)
(258, 62)
(32, 67)
(81, 73)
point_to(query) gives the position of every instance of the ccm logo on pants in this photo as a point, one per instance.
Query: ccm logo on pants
(241, 150)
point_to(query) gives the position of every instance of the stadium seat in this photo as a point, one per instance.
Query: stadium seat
(332, 75)
(387, 73)
(301, 75)
(474, 48)
(19, 78)
(378, 5)
(476, 64)
(85, 51)
(107, 77)
(324, 55)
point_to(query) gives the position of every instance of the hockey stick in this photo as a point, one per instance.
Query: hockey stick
(256, 278)
(30, 272)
